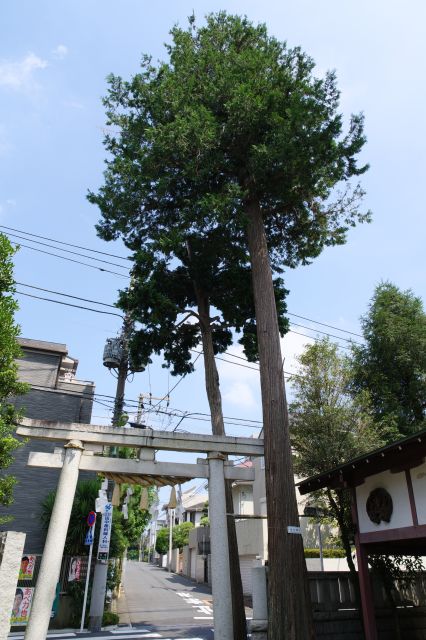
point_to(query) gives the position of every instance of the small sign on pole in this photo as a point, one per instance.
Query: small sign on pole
(89, 537)
(105, 535)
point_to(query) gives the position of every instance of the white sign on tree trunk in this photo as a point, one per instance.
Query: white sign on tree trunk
(105, 535)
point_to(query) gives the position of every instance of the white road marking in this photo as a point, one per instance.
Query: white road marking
(203, 617)
(133, 630)
(204, 609)
(137, 633)
(194, 601)
(20, 636)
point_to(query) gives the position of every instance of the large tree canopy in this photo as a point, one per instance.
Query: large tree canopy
(234, 115)
(9, 385)
(391, 365)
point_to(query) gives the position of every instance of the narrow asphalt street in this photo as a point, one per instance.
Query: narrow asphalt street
(154, 604)
(168, 604)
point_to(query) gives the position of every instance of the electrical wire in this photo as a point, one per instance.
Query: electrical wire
(323, 324)
(68, 244)
(66, 295)
(68, 304)
(128, 258)
(76, 253)
(130, 403)
(56, 255)
(294, 324)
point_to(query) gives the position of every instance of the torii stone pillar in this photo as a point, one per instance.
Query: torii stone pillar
(221, 578)
(50, 567)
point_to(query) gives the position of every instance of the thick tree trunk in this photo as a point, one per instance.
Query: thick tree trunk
(290, 613)
(218, 428)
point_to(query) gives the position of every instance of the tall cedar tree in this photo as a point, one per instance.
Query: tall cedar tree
(9, 385)
(330, 427)
(391, 365)
(236, 133)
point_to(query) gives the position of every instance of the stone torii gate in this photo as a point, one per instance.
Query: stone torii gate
(81, 444)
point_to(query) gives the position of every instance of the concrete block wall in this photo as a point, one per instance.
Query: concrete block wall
(54, 399)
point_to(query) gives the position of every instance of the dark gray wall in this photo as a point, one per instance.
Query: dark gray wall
(39, 368)
(70, 403)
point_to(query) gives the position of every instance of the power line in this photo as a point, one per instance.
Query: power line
(66, 295)
(294, 324)
(76, 253)
(205, 417)
(128, 258)
(68, 304)
(56, 255)
(298, 333)
(323, 324)
(68, 244)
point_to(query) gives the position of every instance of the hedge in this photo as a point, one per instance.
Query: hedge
(327, 553)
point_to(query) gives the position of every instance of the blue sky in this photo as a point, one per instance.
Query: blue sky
(54, 58)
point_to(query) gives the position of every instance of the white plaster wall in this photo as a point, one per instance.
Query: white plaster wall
(418, 478)
(396, 485)
(330, 564)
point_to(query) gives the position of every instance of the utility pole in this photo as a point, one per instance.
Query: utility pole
(116, 356)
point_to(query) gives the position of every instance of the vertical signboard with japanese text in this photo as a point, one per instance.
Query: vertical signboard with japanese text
(105, 535)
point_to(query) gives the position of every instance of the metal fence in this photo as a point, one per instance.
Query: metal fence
(334, 591)
(73, 569)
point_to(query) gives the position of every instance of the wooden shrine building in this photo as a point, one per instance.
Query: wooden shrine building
(388, 488)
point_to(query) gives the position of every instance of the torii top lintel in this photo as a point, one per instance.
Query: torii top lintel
(138, 437)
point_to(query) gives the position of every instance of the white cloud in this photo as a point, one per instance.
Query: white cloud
(60, 52)
(292, 345)
(73, 104)
(19, 75)
(240, 395)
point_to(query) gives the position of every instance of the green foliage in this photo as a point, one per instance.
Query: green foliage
(110, 618)
(391, 366)
(181, 534)
(162, 541)
(115, 569)
(84, 501)
(327, 553)
(329, 427)
(204, 522)
(9, 384)
(180, 537)
(234, 116)
(124, 532)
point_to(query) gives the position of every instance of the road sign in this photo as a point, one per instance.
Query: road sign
(89, 537)
(91, 518)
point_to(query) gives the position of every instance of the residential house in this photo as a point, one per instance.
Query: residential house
(55, 394)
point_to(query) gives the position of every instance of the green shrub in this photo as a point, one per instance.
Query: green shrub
(110, 618)
(327, 553)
